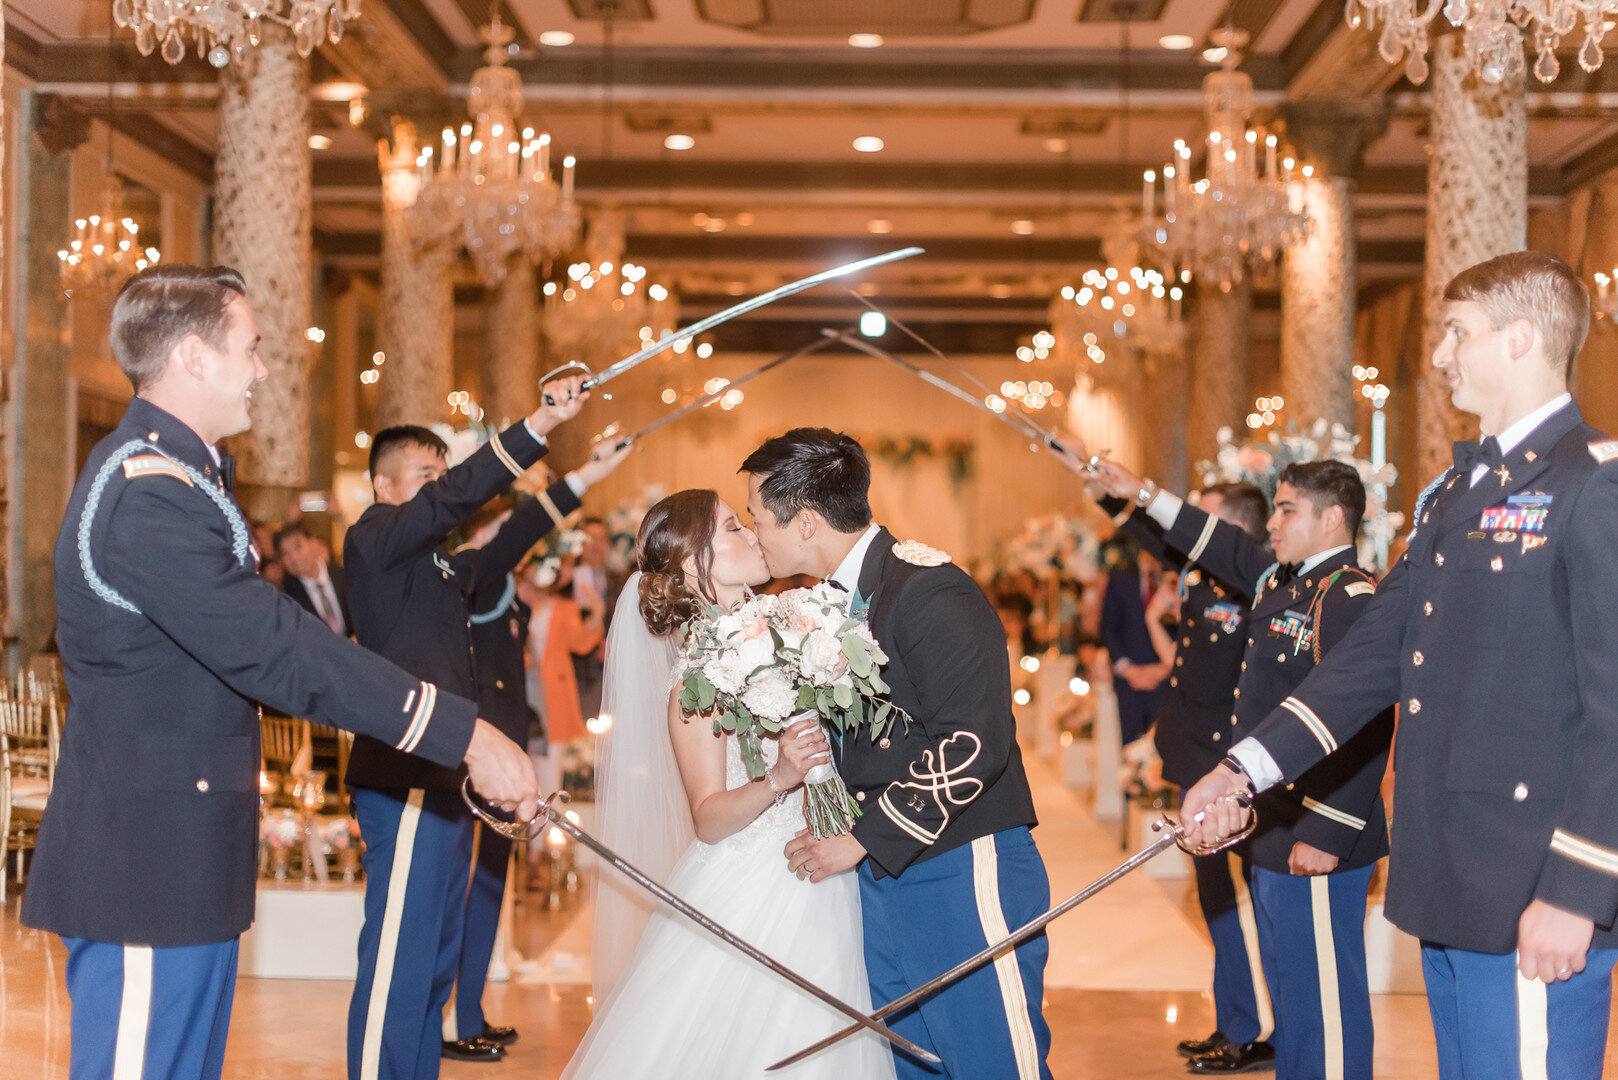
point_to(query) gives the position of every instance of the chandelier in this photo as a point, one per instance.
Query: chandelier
(1243, 212)
(494, 184)
(1604, 304)
(223, 29)
(1492, 32)
(105, 249)
(605, 309)
(1123, 307)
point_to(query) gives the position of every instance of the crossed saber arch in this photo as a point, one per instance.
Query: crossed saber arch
(1173, 835)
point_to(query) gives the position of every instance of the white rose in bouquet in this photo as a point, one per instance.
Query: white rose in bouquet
(771, 694)
(755, 652)
(822, 660)
(727, 672)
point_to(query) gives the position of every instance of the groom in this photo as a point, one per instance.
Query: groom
(946, 861)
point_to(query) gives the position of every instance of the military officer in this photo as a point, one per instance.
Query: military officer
(1191, 734)
(1320, 838)
(146, 861)
(1494, 633)
(407, 595)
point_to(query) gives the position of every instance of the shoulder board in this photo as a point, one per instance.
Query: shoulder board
(153, 465)
(1359, 588)
(916, 553)
(1604, 450)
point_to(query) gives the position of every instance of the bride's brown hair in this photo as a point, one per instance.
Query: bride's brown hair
(678, 528)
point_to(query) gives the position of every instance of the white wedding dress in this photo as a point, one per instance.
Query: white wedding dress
(689, 1007)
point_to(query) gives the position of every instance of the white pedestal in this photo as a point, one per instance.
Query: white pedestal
(1109, 797)
(1078, 763)
(1172, 864)
(1392, 957)
(304, 931)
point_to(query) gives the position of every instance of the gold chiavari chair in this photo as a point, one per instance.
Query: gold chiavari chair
(28, 745)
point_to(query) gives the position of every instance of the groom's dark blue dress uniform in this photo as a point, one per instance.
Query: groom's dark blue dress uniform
(946, 813)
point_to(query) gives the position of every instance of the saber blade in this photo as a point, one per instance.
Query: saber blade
(1173, 835)
(547, 809)
(708, 399)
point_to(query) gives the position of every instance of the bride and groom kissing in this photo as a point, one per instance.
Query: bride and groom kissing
(939, 863)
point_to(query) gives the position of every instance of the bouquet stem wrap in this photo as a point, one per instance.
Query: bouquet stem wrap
(827, 805)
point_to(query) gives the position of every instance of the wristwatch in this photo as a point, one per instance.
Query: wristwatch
(1148, 491)
(1229, 761)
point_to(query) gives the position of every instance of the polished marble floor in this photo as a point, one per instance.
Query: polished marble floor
(1124, 988)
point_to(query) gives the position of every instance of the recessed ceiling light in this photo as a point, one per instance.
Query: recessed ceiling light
(714, 224)
(699, 219)
(744, 219)
(1023, 227)
(1215, 54)
(865, 41)
(1056, 146)
(678, 142)
(320, 142)
(868, 144)
(879, 226)
(556, 37)
(1177, 42)
(1000, 291)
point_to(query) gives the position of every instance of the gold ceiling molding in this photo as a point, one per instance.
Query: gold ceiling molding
(890, 18)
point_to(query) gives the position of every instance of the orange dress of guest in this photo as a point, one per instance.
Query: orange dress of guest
(556, 636)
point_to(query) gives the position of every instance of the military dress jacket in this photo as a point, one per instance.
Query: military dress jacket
(408, 594)
(955, 772)
(1193, 723)
(1335, 806)
(168, 638)
(500, 645)
(1495, 634)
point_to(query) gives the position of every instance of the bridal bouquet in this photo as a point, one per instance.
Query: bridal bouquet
(775, 659)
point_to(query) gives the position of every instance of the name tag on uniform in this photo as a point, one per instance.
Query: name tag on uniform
(1226, 616)
(1521, 514)
(1295, 627)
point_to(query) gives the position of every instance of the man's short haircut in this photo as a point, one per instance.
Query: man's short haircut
(1244, 504)
(814, 469)
(287, 531)
(388, 441)
(1330, 483)
(1535, 286)
(161, 306)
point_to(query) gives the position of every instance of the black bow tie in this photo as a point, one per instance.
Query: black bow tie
(227, 471)
(1469, 455)
(1284, 573)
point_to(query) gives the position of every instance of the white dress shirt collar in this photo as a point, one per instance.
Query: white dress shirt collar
(847, 573)
(1510, 438)
(1321, 556)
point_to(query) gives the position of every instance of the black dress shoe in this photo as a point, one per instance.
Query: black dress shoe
(473, 1050)
(1234, 1058)
(1195, 1047)
(505, 1036)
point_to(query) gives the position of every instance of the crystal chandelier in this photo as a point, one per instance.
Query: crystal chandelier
(493, 183)
(1604, 304)
(1123, 308)
(605, 309)
(1243, 212)
(1492, 32)
(105, 249)
(225, 29)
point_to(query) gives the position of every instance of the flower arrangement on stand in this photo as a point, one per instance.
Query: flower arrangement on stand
(1262, 461)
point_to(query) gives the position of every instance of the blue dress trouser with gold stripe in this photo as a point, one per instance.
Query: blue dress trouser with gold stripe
(990, 1025)
(1312, 937)
(1492, 1024)
(484, 897)
(418, 853)
(1241, 998)
(148, 1013)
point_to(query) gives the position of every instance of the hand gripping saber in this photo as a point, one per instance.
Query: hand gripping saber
(593, 380)
(1173, 835)
(523, 831)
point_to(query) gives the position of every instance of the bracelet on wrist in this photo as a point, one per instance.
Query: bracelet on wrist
(769, 776)
(1148, 491)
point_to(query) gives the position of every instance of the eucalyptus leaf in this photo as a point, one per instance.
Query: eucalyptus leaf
(843, 695)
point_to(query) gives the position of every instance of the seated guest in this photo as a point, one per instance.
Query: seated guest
(311, 579)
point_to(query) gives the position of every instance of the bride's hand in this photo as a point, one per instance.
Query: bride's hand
(803, 746)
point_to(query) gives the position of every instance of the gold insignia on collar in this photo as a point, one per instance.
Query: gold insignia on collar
(916, 553)
(1531, 456)
(1504, 474)
(1604, 450)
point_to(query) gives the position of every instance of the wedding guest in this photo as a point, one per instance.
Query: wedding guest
(559, 632)
(169, 637)
(595, 594)
(1123, 631)
(311, 579)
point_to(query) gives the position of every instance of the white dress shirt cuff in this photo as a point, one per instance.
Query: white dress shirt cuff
(576, 484)
(540, 439)
(1261, 767)
(1164, 508)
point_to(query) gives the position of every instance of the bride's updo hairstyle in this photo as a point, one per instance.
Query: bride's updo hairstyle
(679, 527)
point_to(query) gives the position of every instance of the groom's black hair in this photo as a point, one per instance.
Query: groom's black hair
(815, 469)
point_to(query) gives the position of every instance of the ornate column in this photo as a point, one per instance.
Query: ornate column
(1477, 208)
(1163, 442)
(1220, 342)
(1319, 276)
(416, 324)
(262, 227)
(511, 346)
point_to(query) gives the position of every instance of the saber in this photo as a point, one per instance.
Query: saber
(1173, 835)
(1020, 423)
(520, 832)
(702, 325)
(708, 399)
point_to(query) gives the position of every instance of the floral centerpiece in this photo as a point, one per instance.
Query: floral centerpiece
(776, 658)
(1261, 462)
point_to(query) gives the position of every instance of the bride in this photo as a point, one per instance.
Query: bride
(686, 1006)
